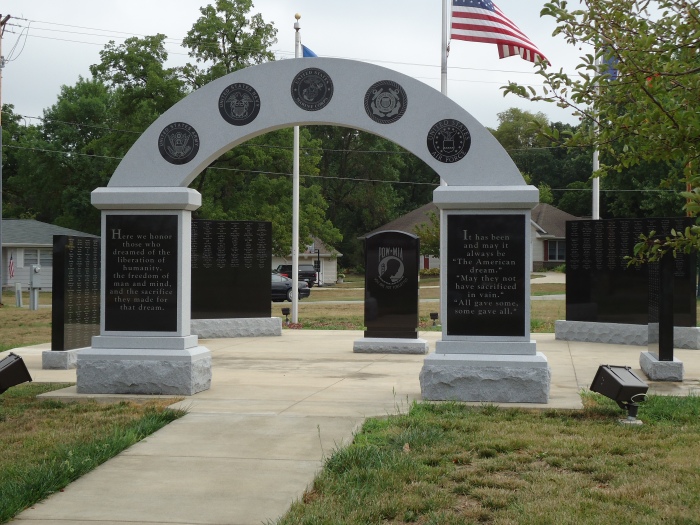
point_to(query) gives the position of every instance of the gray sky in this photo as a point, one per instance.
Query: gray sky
(65, 38)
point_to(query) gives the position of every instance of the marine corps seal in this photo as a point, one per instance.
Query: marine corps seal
(312, 89)
(385, 102)
(178, 143)
(449, 141)
(239, 104)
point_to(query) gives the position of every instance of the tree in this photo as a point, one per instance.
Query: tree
(645, 100)
(227, 41)
(429, 235)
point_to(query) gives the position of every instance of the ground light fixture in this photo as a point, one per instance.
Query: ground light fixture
(434, 317)
(285, 313)
(621, 385)
(13, 372)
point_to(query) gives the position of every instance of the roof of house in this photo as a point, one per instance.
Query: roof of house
(27, 232)
(552, 220)
(407, 223)
(549, 220)
(324, 249)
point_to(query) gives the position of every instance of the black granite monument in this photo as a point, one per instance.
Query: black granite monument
(231, 265)
(75, 315)
(141, 273)
(486, 275)
(391, 285)
(601, 287)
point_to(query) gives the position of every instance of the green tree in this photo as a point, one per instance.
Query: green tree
(225, 40)
(648, 111)
(429, 235)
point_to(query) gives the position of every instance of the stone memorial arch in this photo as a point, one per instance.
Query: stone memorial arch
(145, 343)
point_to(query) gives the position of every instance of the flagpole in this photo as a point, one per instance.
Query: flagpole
(295, 195)
(443, 48)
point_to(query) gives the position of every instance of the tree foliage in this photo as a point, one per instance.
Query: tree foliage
(638, 84)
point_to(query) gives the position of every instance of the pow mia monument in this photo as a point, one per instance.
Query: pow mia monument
(145, 343)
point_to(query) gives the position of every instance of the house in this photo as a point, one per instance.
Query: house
(548, 234)
(27, 242)
(323, 257)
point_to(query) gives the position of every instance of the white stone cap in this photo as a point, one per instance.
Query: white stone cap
(146, 198)
(539, 360)
(486, 197)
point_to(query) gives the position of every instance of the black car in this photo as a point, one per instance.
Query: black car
(307, 272)
(282, 289)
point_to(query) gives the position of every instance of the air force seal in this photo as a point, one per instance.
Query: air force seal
(239, 104)
(385, 102)
(449, 141)
(312, 89)
(178, 143)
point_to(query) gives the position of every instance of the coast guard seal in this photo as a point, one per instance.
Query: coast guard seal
(178, 143)
(239, 104)
(312, 89)
(449, 141)
(385, 102)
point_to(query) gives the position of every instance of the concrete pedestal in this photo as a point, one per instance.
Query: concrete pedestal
(382, 345)
(59, 359)
(247, 327)
(660, 370)
(686, 337)
(486, 378)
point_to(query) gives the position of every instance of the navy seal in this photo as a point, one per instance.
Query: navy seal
(239, 104)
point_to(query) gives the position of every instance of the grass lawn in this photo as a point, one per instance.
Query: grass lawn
(449, 464)
(47, 444)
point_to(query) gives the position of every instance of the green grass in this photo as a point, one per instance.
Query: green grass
(46, 444)
(449, 463)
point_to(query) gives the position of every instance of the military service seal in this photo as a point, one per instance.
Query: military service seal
(239, 104)
(178, 143)
(449, 141)
(385, 102)
(312, 89)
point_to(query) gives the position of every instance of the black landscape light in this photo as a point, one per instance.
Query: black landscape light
(621, 385)
(285, 313)
(13, 371)
(434, 317)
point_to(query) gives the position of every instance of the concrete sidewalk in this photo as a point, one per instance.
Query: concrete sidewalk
(277, 407)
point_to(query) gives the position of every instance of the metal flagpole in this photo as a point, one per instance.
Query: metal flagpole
(2, 65)
(295, 195)
(443, 48)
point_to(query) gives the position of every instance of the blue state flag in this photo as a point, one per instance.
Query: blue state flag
(307, 53)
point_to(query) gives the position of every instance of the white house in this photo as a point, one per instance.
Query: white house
(323, 257)
(26, 242)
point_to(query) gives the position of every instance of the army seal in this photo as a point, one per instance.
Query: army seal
(449, 141)
(312, 89)
(178, 143)
(239, 104)
(385, 102)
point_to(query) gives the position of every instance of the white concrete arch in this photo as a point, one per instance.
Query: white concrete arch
(485, 164)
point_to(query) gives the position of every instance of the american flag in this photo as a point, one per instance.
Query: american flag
(482, 21)
(11, 268)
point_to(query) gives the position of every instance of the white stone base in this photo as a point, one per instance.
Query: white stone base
(486, 378)
(246, 327)
(144, 371)
(660, 370)
(59, 359)
(486, 347)
(387, 345)
(686, 337)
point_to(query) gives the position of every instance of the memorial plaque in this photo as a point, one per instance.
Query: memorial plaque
(600, 287)
(141, 273)
(391, 285)
(75, 305)
(231, 266)
(486, 275)
(661, 276)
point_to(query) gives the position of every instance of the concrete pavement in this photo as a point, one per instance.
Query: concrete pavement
(277, 407)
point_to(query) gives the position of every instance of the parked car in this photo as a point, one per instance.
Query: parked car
(282, 289)
(307, 272)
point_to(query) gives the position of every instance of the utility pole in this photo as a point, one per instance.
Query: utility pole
(3, 22)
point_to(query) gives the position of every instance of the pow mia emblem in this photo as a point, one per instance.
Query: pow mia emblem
(391, 268)
(312, 89)
(385, 102)
(239, 104)
(178, 143)
(449, 141)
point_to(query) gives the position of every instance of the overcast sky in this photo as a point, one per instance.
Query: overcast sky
(65, 37)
